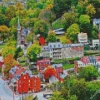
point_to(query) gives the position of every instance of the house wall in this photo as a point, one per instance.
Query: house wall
(26, 84)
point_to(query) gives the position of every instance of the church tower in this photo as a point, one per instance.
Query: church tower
(18, 33)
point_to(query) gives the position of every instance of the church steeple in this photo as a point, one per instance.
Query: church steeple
(18, 27)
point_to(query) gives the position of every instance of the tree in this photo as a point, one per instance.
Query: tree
(3, 32)
(9, 62)
(41, 27)
(90, 10)
(85, 25)
(32, 21)
(51, 37)
(29, 37)
(57, 96)
(63, 39)
(10, 12)
(89, 73)
(48, 16)
(7, 50)
(18, 52)
(49, 72)
(2, 19)
(94, 34)
(33, 51)
(72, 32)
(69, 18)
(61, 6)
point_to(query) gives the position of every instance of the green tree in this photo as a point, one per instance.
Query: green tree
(57, 96)
(94, 32)
(18, 52)
(47, 15)
(4, 32)
(10, 12)
(41, 27)
(69, 18)
(2, 19)
(33, 51)
(72, 32)
(29, 37)
(51, 37)
(85, 25)
(61, 6)
(7, 50)
(89, 73)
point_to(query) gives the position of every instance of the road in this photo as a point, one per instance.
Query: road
(5, 92)
(40, 96)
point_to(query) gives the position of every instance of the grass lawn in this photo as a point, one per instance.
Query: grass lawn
(66, 59)
(67, 66)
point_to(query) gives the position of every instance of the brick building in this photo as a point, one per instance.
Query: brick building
(27, 83)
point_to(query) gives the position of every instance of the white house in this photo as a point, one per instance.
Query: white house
(95, 42)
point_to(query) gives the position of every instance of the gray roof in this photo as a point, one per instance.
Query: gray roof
(62, 75)
(55, 45)
(45, 48)
(56, 65)
(72, 45)
(53, 79)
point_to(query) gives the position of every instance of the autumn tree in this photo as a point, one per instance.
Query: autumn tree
(33, 51)
(3, 32)
(41, 27)
(9, 62)
(72, 32)
(49, 72)
(10, 12)
(90, 10)
(7, 50)
(51, 37)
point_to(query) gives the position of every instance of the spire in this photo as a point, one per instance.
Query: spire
(19, 27)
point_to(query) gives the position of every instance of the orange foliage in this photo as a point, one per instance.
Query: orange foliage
(9, 62)
(68, 41)
(49, 72)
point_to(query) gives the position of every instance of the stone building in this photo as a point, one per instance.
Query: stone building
(57, 50)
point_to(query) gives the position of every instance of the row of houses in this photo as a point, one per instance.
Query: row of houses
(86, 61)
(57, 50)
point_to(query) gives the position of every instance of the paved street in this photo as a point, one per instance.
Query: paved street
(40, 96)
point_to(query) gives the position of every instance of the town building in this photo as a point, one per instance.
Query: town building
(57, 50)
(42, 64)
(21, 34)
(95, 42)
(27, 83)
(86, 61)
